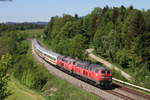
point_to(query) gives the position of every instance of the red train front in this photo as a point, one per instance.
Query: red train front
(99, 74)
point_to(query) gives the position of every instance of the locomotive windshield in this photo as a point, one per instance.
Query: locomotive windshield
(108, 72)
(103, 72)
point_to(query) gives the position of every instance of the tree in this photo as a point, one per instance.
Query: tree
(49, 29)
(115, 15)
(105, 9)
(5, 63)
(131, 7)
(135, 24)
(7, 45)
(76, 16)
(147, 21)
(134, 27)
(77, 46)
(70, 29)
(145, 47)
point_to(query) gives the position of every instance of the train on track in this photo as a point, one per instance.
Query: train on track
(94, 72)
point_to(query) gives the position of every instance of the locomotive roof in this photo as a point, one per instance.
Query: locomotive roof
(69, 59)
(96, 66)
(83, 63)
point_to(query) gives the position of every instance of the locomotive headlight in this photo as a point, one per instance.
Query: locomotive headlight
(96, 74)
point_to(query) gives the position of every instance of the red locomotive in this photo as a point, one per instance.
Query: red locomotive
(94, 72)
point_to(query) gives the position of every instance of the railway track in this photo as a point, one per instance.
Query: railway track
(120, 95)
(116, 92)
(127, 93)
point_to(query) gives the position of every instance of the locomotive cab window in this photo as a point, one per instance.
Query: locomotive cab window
(103, 72)
(108, 72)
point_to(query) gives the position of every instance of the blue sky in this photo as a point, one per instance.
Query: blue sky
(43, 10)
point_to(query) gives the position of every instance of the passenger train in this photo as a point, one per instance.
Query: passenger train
(94, 72)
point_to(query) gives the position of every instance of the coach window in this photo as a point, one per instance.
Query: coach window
(87, 67)
(80, 65)
(51, 58)
(90, 68)
(59, 58)
(84, 66)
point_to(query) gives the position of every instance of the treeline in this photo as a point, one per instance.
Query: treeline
(120, 35)
(19, 26)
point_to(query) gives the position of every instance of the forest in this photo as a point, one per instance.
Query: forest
(120, 35)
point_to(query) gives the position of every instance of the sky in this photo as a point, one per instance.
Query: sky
(43, 10)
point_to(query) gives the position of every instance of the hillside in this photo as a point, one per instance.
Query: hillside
(21, 92)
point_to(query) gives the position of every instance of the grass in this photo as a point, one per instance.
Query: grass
(21, 92)
(57, 89)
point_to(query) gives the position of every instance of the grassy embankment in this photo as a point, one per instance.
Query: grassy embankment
(21, 92)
